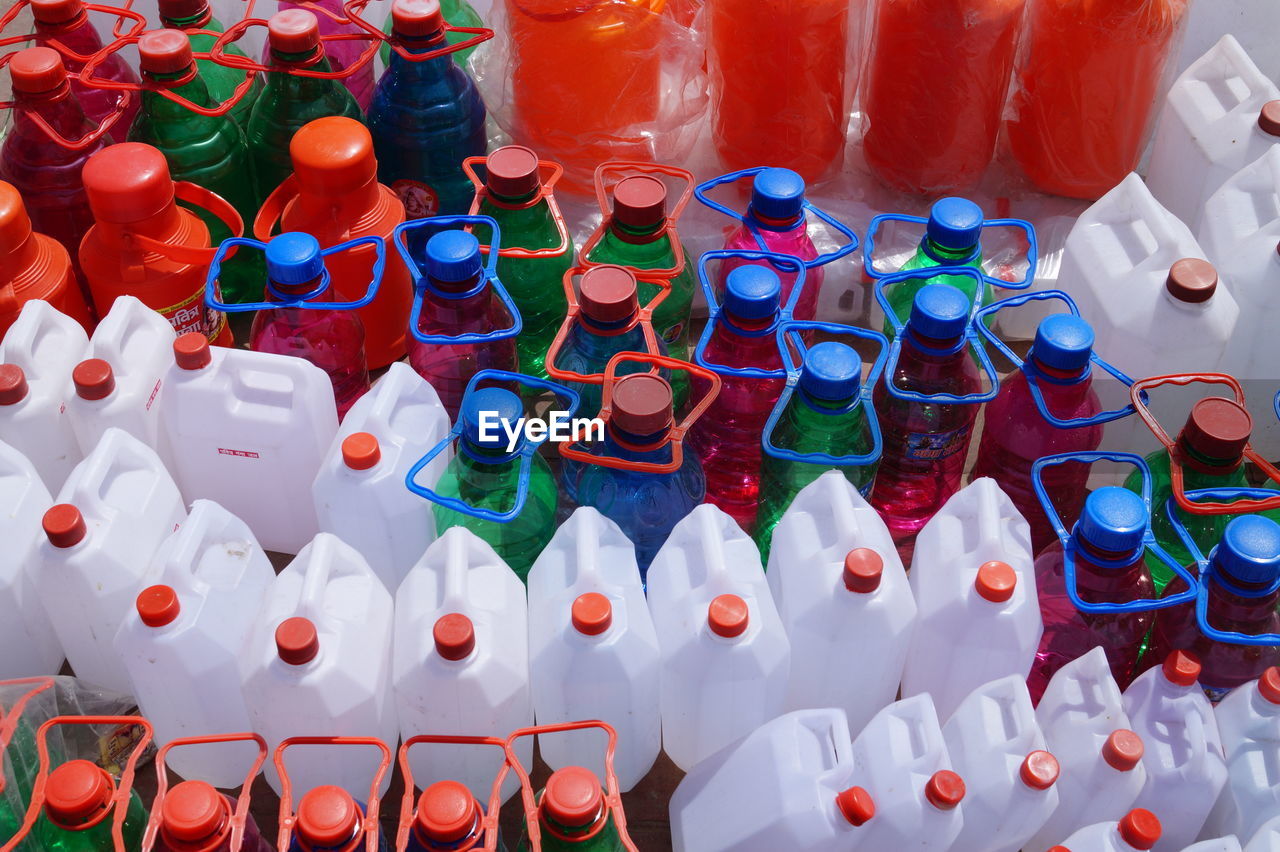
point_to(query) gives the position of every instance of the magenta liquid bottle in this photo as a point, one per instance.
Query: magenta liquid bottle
(1107, 548)
(727, 436)
(1016, 434)
(925, 442)
(342, 53)
(67, 22)
(195, 817)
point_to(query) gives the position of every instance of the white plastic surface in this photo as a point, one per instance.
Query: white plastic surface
(1217, 844)
(612, 676)
(963, 640)
(28, 644)
(371, 510)
(138, 344)
(484, 694)
(346, 689)
(249, 432)
(1267, 838)
(1099, 837)
(988, 739)
(130, 504)
(1080, 709)
(715, 690)
(1251, 21)
(1249, 725)
(847, 648)
(46, 344)
(186, 674)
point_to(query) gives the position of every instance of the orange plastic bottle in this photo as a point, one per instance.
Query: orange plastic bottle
(935, 90)
(143, 244)
(334, 195)
(33, 266)
(1087, 89)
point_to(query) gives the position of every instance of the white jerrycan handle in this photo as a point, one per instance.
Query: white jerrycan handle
(1256, 185)
(116, 451)
(830, 727)
(591, 527)
(918, 735)
(127, 317)
(42, 334)
(457, 563)
(272, 382)
(1002, 705)
(990, 524)
(1093, 691)
(207, 525)
(322, 569)
(400, 379)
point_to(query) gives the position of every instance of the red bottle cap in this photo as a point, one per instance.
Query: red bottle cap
(592, 614)
(293, 31)
(56, 11)
(76, 792)
(297, 642)
(1039, 770)
(1218, 429)
(174, 10)
(64, 525)
(193, 811)
(640, 202)
(36, 70)
(15, 224)
(455, 636)
(13, 384)
(1140, 828)
(608, 294)
(127, 182)
(1192, 280)
(93, 379)
(573, 797)
(996, 581)
(446, 812)
(333, 155)
(164, 52)
(1122, 750)
(1057, 849)
(1269, 685)
(158, 605)
(360, 451)
(1181, 668)
(512, 172)
(856, 805)
(863, 570)
(191, 351)
(1269, 118)
(416, 18)
(944, 790)
(641, 404)
(728, 616)
(327, 816)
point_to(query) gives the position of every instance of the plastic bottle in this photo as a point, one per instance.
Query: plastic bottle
(1085, 727)
(1218, 118)
(725, 654)
(460, 657)
(843, 597)
(593, 649)
(33, 266)
(30, 645)
(343, 53)
(458, 13)
(449, 817)
(1267, 839)
(190, 626)
(645, 504)
(120, 382)
(1183, 753)
(193, 815)
(426, 117)
(573, 815)
(330, 819)
(973, 583)
(825, 415)
(115, 509)
(289, 101)
(1217, 844)
(233, 417)
(998, 749)
(67, 23)
(1137, 830)
(319, 660)
(79, 811)
(1016, 434)
(926, 443)
(36, 358)
(359, 492)
(786, 785)
(1247, 719)
(195, 18)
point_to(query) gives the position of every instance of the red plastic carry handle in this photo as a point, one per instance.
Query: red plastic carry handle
(644, 319)
(84, 142)
(205, 199)
(287, 816)
(409, 801)
(218, 53)
(550, 173)
(351, 10)
(619, 169)
(121, 14)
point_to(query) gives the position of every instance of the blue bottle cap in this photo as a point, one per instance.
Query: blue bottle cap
(1063, 342)
(777, 194)
(955, 223)
(939, 312)
(1250, 551)
(752, 292)
(453, 256)
(293, 258)
(832, 371)
(1114, 520)
(488, 408)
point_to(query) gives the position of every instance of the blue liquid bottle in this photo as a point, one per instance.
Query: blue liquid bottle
(329, 819)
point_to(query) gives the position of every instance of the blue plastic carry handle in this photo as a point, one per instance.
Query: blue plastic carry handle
(1033, 251)
(716, 309)
(290, 300)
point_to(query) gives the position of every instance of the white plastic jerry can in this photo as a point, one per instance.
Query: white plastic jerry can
(360, 493)
(461, 662)
(120, 381)
(115, 509)
(725, 655)
(1213, 125)
(1218, 844)
(1136, 831)
(843, 596)
(1249, 724)
(28, 644)
(901, 759)
(789, 784)
(996, 746)
(184, 640)
(1267, 838)
(36, 357)
(1182, 752)
(974, 584)
(319, 664)
(1082, 716)
(593, 649)
(248, 430)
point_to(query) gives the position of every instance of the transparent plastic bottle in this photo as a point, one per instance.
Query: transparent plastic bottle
(449, 818)
(343, 53)
(191, 16)
(195, 816)
(67, 22)
(331, 820)
(572, 815)
(79, 812)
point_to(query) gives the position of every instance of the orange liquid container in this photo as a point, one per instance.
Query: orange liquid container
(334, 195)
(143, 244)
(1087, 88)
(33, 266)
(935, 90)
(778, 79)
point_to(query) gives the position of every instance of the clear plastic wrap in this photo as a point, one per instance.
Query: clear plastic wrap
(1089, 81)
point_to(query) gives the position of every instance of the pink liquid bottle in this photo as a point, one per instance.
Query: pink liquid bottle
(67, 24)
(342, 53)
(195, 817)
(463, 321)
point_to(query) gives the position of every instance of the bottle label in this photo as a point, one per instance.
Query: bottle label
(191, 314)
(420, 200)
(671, 335)
(1215, 694)
(932, 446)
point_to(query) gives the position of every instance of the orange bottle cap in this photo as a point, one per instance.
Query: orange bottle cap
(333, 155)
(77, 792)
(327, 816)
(573, 797)
(944, 790)
(1140, 828)
(728, 616)
(56, 11)
(455, 636)
(36, 70)
(164, 52)
(1192, 280)
(1269, 685)
(1269, 118)
(360, 451)
(447, 812)
(608, 294)
(15, 223)
(856, 805)
(127, 182)
(297, 642)
(1122, 750)
(1039, 770)
(157, 605)
(13, 384)
(592, 613)
(863, 570)
(640, 202)
(1181, 668)
(93, 379)
(642, 404)
(193, 811)
(512, 171)
(996, 581)
(416, 18)
(64, 525)
(293, 31)
(191, 351)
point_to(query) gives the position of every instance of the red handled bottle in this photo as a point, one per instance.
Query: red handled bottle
(448, 819)
(79, 811)
(342, 53)
(331, 820)
(573, 816)
(192, 16)
(33, 266)
(67, 22)
(194, 817)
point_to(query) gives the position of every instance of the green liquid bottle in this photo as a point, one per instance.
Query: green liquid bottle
(572, 816)
(457, 13)
(222, 81)
(78, 812)
(821, 416)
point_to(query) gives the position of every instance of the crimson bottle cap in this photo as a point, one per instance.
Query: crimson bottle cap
(333, 155)
(1192, 280)
(193, 811)
(416, 18)
(56, 11)
(1269, 118)
(1122, 750)
(996, 581)
(640, 202)
(157, 605)
(64, 525)
(93, 379)
(164, 52)
(641, 404)
(127, 182)
(446, 812)
(1269, 685)
(728, 616)
(297, 642)
(455, 636)
(1039, 770)
(856, 805)
(863, 570)
(15, 224)
(360, 451)
(13, 384)
(608, 294)
(512, 172)
(573, 797)
(944, 790)
(1140, 828)
(1181, 668)
(293, 31)
(592, 614)
(191, 351)
(1218, 429)
(36, 70)
(76, 792)
(327, 816)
